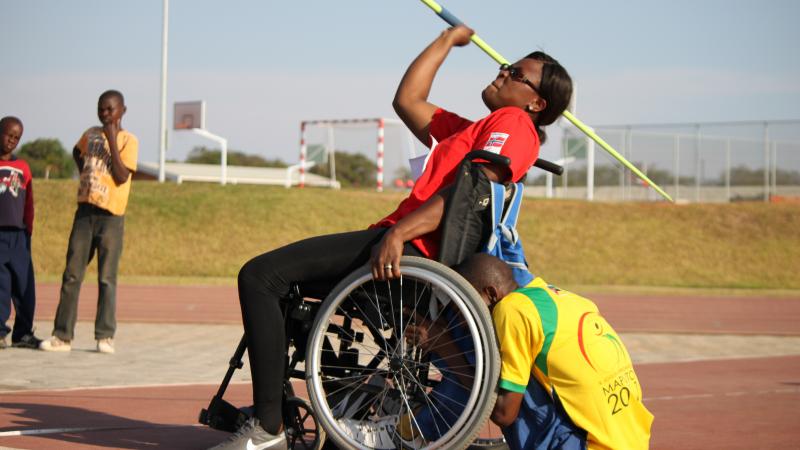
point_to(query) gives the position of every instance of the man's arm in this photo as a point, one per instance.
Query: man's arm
(411, 99)
(119, 172)
(518, 341)
(506, 408)
(76, 155)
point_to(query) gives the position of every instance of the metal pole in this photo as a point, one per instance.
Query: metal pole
(728, 169)
(589, 169)
(774, 168)
(223, 143)
(302, 168)
(564, 150)
(629, 154)
(565, 175)
(162, 142)
(332, 154)
(697, 163)
(677, 166)
(622, 171)
(380, 156)
(766, 161)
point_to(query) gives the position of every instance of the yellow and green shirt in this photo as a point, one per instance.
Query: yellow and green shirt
(562, 340)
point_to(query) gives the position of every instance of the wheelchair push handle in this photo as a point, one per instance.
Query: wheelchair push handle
(549, 166)
(505, 161)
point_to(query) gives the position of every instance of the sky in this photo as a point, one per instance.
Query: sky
(262, 66)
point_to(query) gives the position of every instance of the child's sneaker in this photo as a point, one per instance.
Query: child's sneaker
(3, 343)
(252, 436)
(27, 341)
(54, 344)
(105, 345)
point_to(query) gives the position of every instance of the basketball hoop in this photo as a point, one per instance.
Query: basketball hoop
(191, 116)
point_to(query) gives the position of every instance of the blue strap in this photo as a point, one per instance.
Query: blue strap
(505, 234)
(510, 219)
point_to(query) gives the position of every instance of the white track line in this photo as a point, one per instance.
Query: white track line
(121, 386)
(40, 431)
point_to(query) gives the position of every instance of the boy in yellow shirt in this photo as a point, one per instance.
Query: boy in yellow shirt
(106, 159)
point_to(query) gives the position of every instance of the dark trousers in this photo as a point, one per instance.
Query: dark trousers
(317, 264)
(93, 230)
(16, 283)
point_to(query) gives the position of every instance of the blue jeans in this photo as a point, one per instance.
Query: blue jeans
(16, 283)
(93, 230)
(542, 424)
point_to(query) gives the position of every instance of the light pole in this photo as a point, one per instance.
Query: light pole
(162, 143)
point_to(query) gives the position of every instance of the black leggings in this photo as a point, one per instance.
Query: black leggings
(320, 262)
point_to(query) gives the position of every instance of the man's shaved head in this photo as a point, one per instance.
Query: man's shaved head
(490, 276)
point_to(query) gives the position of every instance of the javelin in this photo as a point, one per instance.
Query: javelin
(448, 17)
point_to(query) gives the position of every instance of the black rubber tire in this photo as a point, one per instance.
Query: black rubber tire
(466, 299)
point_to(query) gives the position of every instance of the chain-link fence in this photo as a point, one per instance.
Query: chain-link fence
(697, 162)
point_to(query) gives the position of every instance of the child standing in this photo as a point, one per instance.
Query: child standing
(16, 226)
(106, 159)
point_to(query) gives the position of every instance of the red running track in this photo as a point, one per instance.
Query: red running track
(730, 404)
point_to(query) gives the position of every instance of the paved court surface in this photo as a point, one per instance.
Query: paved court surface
(717, 372)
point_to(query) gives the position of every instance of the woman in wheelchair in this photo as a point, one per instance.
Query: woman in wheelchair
(522, 98)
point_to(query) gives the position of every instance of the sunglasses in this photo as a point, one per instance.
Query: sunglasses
(515, 73)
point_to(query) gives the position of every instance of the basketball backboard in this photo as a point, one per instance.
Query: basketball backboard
(190, 115)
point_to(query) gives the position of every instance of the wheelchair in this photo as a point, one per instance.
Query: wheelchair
(364, 378)
(369, 385)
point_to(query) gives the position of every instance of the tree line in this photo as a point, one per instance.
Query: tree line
(48, 159)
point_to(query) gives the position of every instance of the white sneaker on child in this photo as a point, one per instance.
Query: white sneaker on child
(105, 345)
(54, 344)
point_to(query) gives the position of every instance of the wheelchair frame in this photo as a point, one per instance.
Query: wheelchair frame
(301, 316)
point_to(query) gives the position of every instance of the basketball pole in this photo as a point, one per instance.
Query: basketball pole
(448, 17)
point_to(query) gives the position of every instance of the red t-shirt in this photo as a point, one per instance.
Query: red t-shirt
(508, 131)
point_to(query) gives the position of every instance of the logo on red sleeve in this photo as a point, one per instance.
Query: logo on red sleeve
(496, 142)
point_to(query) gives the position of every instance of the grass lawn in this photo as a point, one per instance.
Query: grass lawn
(203, 233)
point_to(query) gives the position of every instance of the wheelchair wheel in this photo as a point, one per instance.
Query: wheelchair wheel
(302, 429)
(371, 387)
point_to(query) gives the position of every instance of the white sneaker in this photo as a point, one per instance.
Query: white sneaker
(105, 345)
(252, 436)
(377, 434)
(54, 344)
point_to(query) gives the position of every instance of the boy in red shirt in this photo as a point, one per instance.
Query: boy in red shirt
(16, 226)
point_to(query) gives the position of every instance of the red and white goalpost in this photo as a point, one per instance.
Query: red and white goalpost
(378, 124)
